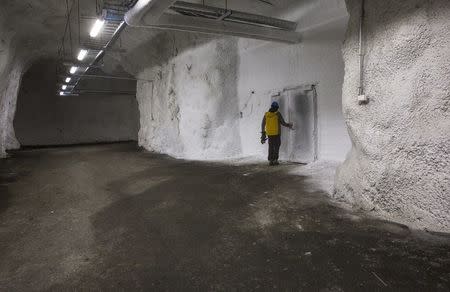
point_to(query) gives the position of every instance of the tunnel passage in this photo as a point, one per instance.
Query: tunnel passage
(45, 118)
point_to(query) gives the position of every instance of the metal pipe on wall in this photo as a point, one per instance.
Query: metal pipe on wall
(361, 96)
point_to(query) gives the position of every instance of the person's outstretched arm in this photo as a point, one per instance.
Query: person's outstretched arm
(283, 122)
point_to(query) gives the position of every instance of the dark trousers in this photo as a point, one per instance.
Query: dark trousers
(274, 147)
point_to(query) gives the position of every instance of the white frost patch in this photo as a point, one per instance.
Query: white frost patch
(244, 160)
(320, 175)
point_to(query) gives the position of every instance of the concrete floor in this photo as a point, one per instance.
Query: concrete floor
(115, 217)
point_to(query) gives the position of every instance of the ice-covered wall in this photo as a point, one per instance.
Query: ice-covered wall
(10, 75)
(400, 162)
(195, 105)
(187, 96)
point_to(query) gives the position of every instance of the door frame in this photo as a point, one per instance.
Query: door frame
(309, 87)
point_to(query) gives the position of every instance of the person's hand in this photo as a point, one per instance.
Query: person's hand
(291, 126)
(263, 137)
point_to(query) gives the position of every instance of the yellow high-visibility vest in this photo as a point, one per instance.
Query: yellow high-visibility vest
(272, 124)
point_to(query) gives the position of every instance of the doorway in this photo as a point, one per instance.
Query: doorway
(299, 106)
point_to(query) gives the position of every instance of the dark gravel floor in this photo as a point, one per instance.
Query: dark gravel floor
(113, 217)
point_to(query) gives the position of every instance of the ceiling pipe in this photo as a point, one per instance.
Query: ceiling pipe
(70, 64)
(91, 76)
(232, 15)
(210, 26)
(150, 14)
(108, 92)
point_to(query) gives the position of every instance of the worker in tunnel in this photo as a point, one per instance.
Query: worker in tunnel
(271, 130)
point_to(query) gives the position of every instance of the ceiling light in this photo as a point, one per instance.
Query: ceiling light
(64, 87)
(73, 69)
(68, 79)
(82, 55)
(96, 28)
(61, 93)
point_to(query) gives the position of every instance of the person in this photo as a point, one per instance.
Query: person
(271, 126)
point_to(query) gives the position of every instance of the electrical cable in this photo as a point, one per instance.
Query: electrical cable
(266, 2)
(79, 25)
(70, 26)
(63, 40)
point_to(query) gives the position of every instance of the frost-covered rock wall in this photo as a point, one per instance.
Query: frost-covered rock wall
(187, 94)
(194, 104)
(10, 75)
(400, 162)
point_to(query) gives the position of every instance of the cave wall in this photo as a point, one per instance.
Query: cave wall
(9, 86)
(187, 93)
(195, 103)
(11, 69)
(44, 118)
(399, 165)
(28, 31)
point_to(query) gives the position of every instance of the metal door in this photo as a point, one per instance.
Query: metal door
(299, 106)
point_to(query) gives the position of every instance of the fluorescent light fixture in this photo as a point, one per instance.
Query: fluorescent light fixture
(96, 28)
(61, 93)
(64, 87)
(68, 79)
(73, 69)
(82, 55)
(99, 53)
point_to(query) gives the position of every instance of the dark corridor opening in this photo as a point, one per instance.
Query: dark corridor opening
(45, 118)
